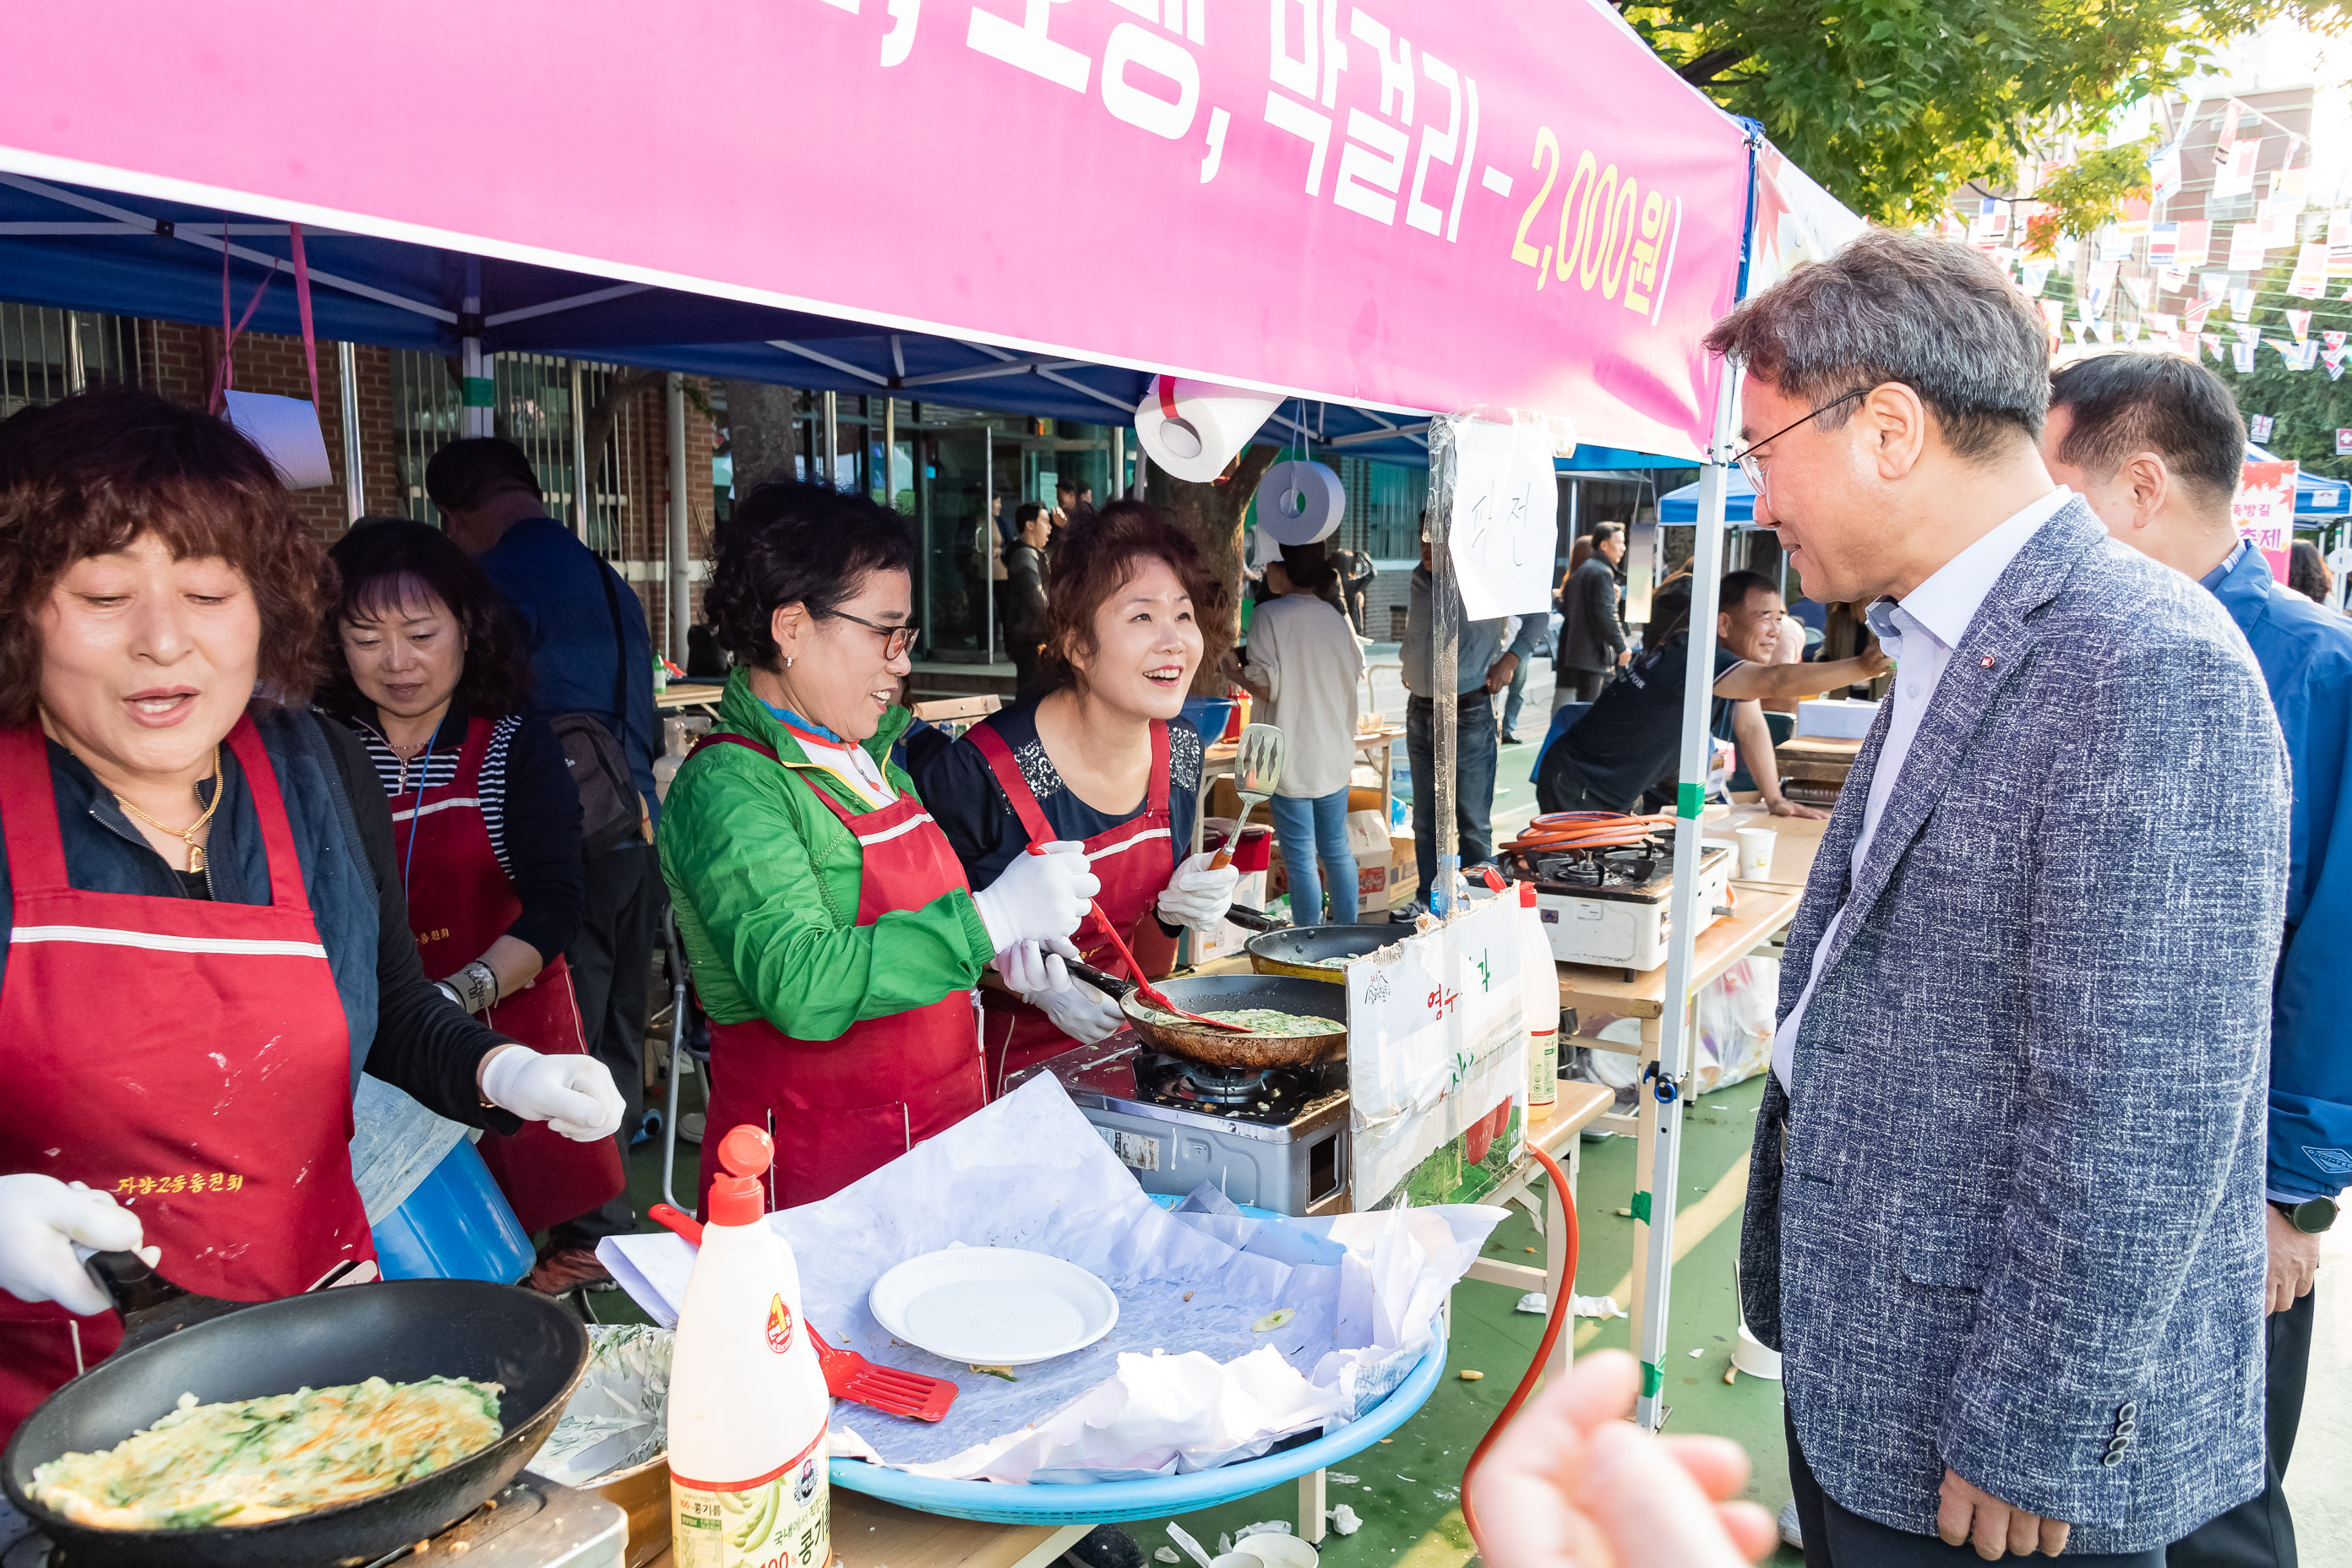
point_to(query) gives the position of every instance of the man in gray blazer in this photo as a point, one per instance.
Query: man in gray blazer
(2005, 1208)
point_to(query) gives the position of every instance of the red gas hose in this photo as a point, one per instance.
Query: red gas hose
(1562, 1300)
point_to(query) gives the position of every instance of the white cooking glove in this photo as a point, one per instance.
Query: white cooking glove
(1032, 968)
(40, 1219)
(1079, 1011)
(1198, 896)
(1038, 896)
(574, 1095)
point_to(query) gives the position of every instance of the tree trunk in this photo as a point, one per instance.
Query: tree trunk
(1210, 516)
(607, 409)
(762, 436)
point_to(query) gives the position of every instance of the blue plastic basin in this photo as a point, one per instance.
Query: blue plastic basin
(457, 1225)
(1109, 1502)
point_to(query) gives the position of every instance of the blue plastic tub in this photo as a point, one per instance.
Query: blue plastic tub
(457, 1225)
(1210, 715)
(1110, 1502)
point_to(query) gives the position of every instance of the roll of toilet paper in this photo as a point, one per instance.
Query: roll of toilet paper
(1299, 503)
(1193, 429)
(286, 431)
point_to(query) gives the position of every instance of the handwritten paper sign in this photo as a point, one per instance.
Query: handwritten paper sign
(1437, 1060)
(1505, 526)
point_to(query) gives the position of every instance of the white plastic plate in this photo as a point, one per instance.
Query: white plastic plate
(994, 1306)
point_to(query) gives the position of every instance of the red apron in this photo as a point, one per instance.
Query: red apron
(1133, 861)
(460, 901)
(190, 1057)
(842, 1109)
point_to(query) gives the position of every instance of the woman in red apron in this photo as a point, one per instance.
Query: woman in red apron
(834, 942)
(1100, 757)
(486, 822)
(192, 969)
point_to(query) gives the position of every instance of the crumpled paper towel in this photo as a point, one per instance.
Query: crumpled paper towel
(1182, 1383)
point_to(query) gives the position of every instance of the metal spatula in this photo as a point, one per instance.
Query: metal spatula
(1257, 769)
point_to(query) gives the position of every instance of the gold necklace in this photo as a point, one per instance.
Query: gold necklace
(187, 835)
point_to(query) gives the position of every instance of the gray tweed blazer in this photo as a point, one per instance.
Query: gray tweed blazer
(2012, 1222)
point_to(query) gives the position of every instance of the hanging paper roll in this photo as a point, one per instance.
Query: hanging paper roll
(1299, 503)
(1193, 429)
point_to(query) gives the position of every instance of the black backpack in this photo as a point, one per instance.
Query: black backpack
(610, 807)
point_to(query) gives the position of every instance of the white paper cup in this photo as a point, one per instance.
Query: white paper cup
(1756, 853)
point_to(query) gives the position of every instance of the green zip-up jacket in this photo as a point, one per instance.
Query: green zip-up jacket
(764, 880)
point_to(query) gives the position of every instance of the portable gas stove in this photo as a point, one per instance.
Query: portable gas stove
(1608, 906)
(1275, 1139)
(534, 1523)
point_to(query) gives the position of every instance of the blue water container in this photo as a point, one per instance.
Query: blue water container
(457, 1225)
(1210, 715)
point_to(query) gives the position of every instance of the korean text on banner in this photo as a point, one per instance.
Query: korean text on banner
(2264, 510)
(1437, 1057)
(1504, 524)
(1417, 207)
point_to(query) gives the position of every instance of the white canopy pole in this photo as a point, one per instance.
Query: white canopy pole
(1667, 1080)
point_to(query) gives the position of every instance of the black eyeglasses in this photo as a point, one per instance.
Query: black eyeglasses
(1753, 467)
(895, 640)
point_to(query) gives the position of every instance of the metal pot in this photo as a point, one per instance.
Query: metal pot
(1316, 952)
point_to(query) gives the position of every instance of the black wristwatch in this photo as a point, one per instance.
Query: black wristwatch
(2310, 1217)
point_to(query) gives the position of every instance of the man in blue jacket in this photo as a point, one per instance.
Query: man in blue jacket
(2155, 444)
(589, 653)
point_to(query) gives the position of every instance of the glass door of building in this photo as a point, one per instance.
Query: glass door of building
(955, 599)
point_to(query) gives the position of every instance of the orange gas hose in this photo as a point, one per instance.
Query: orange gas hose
(1562, 1300)
(1588, 830)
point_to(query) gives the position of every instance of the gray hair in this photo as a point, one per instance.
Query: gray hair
(1933, 314)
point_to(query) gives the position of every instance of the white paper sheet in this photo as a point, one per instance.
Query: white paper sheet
(1182, 1383)
(1505, 525)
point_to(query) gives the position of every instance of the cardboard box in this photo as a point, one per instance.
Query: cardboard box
(1386, 878)
(1834, 719)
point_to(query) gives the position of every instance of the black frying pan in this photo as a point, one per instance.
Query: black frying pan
(404, 1331)
(1316, 952)
(1223, 992)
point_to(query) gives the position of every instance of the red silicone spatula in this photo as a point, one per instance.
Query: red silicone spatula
(847, 1374)
(1143, 986)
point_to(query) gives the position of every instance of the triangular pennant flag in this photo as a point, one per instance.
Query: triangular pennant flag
(2172, 279)
(2131, 331)
(2216, 285)
(2335, 371)
(2241, 303)
(2333, 339)
(2138, 290)
(2310, 279)
(2248, 332)
(2299, 323)
(2333, 355)
(2076, 328)
(2287, 351)
(2193, 317)
(2106, 331)
(2165, 323)
(2305, 355)
(2037, 274)
(2242, 358)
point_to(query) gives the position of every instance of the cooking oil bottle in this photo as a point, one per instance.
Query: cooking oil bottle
(747, 1399)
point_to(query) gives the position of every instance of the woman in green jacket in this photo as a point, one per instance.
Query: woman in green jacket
(834, 943)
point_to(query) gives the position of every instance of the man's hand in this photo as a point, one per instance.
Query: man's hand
(1971, 1516)
(1500, 675)
(1572, 1484)
(1624, 656)
(1874, 660)
(1780, 805)
(2294, 1259)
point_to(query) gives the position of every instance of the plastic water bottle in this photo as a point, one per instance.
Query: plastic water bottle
(1539, 999)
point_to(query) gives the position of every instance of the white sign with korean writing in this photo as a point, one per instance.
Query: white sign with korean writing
(1438, 1047)
(1504, 527)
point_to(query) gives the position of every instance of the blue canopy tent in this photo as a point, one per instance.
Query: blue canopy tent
(2318, 500)
(80, 248)
(1739, 503)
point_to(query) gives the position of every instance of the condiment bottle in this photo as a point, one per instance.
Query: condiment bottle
(1539, 980)
(747, 1398)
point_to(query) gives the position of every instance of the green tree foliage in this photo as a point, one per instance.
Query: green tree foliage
(1894, 104)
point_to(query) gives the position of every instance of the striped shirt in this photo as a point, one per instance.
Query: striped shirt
(437, 768)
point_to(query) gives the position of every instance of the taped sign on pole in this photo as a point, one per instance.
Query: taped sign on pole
(1505, 525)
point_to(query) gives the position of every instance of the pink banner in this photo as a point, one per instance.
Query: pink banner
(1419, 207)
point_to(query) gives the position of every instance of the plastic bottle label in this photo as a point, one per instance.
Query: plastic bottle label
(783, 1520)
(780, 1326)
(1543, 1068)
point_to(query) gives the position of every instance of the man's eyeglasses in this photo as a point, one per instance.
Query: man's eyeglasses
(1753, 467)
(895, 640)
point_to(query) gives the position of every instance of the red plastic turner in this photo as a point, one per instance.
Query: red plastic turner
(847, 1374)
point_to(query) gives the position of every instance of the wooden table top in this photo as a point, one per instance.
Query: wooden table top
(685, 694)
(1793, 854)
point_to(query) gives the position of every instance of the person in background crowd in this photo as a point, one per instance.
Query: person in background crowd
(1632, 740)
(1100, 758)
(426, 667)
(1025, 593)
(1305, 662)
(2013, 1317)
(834, 940)
(1592, 639)
(705, 659)
(2154, 443)
(1484, 667)
(1572, 1483)
(202, 941)
(1515, 697)
(590, 653)
(1356, 576)
(2307, 573)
